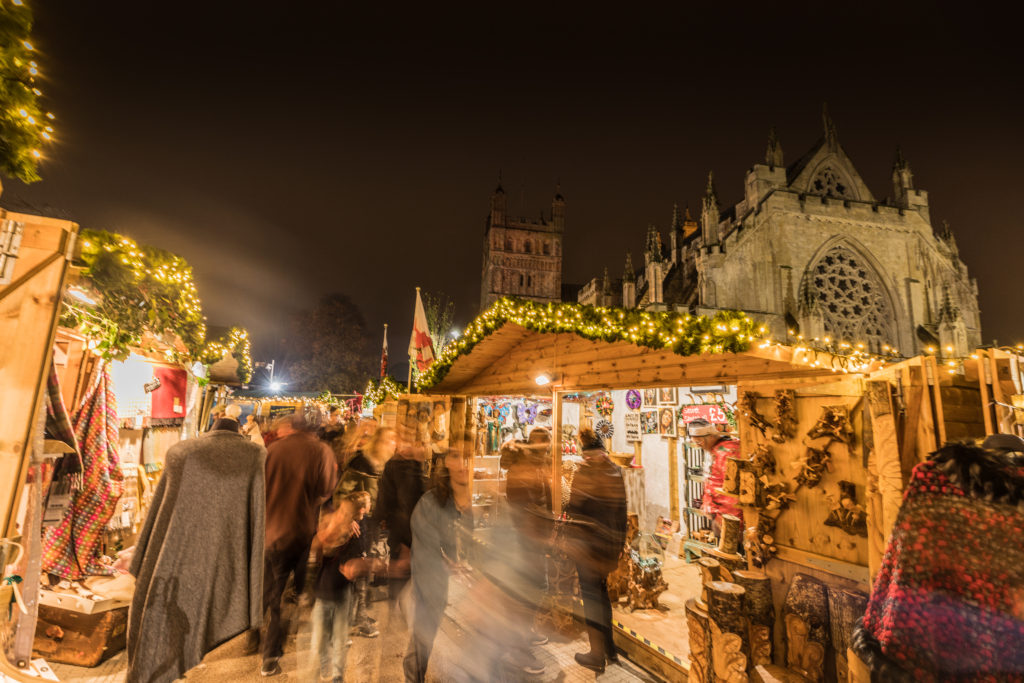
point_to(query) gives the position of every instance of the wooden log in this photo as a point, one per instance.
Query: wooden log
(710, 570)
(700, 642)
(731, 482)
(730, 562)
(732, 534)
(845, 607)
(806, 623)
(748, 484)
(760, 613)
(729, 643)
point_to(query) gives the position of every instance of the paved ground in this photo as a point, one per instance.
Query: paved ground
(376, 659)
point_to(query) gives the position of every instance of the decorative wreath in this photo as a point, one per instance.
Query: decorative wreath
(604, 405)
(633, 399)
(604, 429)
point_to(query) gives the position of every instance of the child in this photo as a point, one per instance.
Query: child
(339, 547)
(362, 623)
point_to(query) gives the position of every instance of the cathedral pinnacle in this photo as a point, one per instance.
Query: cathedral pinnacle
(773, 155)
(653, 252)
(831, 138)
(627, 273)
(949, 311)
(709, 216)
(677, 224)
(606, 283)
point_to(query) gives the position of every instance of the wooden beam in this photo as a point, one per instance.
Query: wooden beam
(885, 488)
(673, 478)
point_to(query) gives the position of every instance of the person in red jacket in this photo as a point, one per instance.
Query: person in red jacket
(720, 447)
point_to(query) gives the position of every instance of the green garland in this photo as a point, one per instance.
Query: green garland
(24, 127)
(378, 392)
(684, 334)
(236, 343)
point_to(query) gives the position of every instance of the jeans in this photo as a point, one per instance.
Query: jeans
(331, 621)
(597, 606)
(279, 563)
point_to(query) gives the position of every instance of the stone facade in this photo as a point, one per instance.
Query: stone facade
(522, 257)
(810, 249)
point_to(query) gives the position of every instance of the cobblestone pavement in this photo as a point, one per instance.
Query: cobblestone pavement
(369, 660)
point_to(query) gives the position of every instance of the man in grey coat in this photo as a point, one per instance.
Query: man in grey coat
(198, 563)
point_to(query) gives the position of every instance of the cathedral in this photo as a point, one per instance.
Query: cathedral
(522, 257)
(810, 249)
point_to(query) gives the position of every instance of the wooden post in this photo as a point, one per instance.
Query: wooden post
(700, 642)
(729, 643)
(638, 454)
(556, 453)
(760, 613)
(673, 478)
(885, 472)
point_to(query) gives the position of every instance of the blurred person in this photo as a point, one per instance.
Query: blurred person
(719, 447)
(354, 441)
(251, 430)
(199, 555)
(301, 474)
(596, 535)
(402, 483)
(363, 473)
(332, 431)
(341, 559)
(434, 528)
(273, 434)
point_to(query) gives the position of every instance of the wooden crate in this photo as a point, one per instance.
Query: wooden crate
(68, 637)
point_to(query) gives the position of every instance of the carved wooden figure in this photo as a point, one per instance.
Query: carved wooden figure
(806, 624)
(760, 613)
(815, 463)
(729, 642)
(748, 483)
(846, 513)
(646, 583)
(845, 607)
(710, 570)
(759, 540)
(785, 415)
(834, 423)
(731, 481)
(763, 460)
(748, 408)
(700, 642)
(618, 580)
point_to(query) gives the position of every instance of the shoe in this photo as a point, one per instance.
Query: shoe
(538, 639)
(270, 667)
(534, 667)
(587, 662)
(367, 631)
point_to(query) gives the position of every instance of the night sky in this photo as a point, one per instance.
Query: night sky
(288, 150)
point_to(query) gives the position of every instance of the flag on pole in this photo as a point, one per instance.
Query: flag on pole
(384, 354)
(421, 349)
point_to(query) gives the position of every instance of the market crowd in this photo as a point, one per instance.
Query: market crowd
(325, 517)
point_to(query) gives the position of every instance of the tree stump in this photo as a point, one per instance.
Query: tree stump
(805, 617)
(760, 612)
(729, 644)
(845, 607)
(700, 642)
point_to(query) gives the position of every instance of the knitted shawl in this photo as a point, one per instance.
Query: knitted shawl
(948, 601)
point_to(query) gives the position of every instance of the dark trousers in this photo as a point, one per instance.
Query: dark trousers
(597, 606)
(279, 563)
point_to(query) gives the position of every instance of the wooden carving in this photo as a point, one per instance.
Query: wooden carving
(700, 642)
(835, 424)
(748, 484)
(763, 460)
(618, 580)
(806, 623)
(785, 415)
(845, 607)
(812, 467)
(646, 583)
(710, 570)
(777, 496)
(760, 613)
(729, 644)
(731, 481)
(748, 408)
(846, 513)
(759, 540)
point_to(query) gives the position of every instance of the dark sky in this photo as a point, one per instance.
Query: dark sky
(289, 150)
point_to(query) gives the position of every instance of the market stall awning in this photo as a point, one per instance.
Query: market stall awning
(508, 361)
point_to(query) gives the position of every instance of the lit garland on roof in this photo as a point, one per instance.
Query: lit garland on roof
(378, 392)
(684, 334)
(24, 127)
(235, 344)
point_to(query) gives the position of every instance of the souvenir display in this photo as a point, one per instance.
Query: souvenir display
(650, 398)
(785, 415)
(649, 422)
(631, 423)
(604, 429)
(633, 399)
(604, 405)
(667, 396)
(667, 421)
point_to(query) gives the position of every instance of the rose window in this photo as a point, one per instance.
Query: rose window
(852, 299)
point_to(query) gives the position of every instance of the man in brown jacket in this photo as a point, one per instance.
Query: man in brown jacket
(301, 475)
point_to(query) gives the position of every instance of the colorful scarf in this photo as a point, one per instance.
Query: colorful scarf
(71, 547)
(948, 601)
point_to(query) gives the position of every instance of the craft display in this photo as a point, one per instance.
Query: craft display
(646, 582)
(807, 628)
(760, 613)
(835, 424)
(729, 639)
(604, 429)
(633, 401)
(812, 467)
(728, 544)
(710, 570)
(846, 513)
(650, 398)
(666, 421)
(699, 629)
(759, 540)
(667, 396)
(649, 422)
(785, 415)
(748, 408)
(604, 405)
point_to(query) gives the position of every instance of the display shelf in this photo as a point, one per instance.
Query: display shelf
(488, 479)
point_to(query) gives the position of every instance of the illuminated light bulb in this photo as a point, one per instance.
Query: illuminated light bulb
(23, 112)
(46, 136)
(37, 92)
(49, 116)
(28, 45)
(38, 155)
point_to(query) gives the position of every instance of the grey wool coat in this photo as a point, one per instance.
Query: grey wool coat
(198, 562)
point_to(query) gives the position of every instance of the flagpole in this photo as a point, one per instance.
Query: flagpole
(409, 389)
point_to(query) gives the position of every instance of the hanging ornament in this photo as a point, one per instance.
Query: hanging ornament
(604, 405)
(604, 429)
(633, 399)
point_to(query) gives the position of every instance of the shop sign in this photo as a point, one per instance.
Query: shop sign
(632, 425)
(712, 413)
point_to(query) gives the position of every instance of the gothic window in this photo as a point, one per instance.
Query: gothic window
(829, 183)
(508, 244)
(529, 281)
(520, 279)
(852, 299)
(528, 247)
(547, 248)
